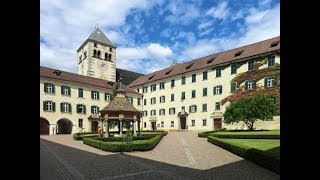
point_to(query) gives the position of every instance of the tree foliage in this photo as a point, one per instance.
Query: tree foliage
(250, 109)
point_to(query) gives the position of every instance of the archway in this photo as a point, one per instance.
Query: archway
(94, 126)
(64, 126)
(44, 126)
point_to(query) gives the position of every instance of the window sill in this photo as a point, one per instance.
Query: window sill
(204, 79)
(49, 111)
(48, 93)
(66, 95)
(204, 111)
(218, 76)
(95, 99)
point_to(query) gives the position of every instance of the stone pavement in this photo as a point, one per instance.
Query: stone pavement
(179, 155)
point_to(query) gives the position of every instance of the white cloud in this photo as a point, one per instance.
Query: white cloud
(205, 25)
(238, 15)
(255, 15)
(182, 12)
(189, 36)
(220, 11)
(206, 32)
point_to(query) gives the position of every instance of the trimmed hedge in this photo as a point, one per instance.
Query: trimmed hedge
(114, 146)
(80, 136)
(252, 154)
(206, 133)
(142, 137)
(247, 136)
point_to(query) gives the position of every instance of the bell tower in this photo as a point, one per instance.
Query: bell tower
(97, 57)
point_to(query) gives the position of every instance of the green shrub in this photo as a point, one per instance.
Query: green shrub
(247, 136)
(257, 156)
(206, 133)
(92, 142)
(80, 136)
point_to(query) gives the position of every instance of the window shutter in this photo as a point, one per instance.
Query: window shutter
(53, 88)
(69, 91)
(265, 82)
(70, 109)
(61, 107)
(84, 109)
(45, 87)
(62, 90)
(98, 95)
(254, 84)
(91, 94)
(53, 106)
(195, 108)
(77, 108)
(214, 90)
(111, 97)
(190, 109)
(246, 85)
(220, 89)
(274, 81)
(44, 105)
(92, 109)
(98, 109)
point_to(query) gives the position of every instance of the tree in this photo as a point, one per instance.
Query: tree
(250, 109)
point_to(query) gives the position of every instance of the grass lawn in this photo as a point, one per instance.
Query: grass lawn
(271, 132)
(269, 146)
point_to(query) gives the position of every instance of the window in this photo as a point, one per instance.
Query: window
(204, 92)
(162, 112)
(153, 112)
(271, 60)
(218, 72)
(172, 111)
(130, 99)
(81, 108)
(193, 108)
(204, 122)
(65, 107)
(145, 89)
(144, 124)
(95, 95)
(233, 87)
(172, 123)
(250, 65)
(172, 83)
(162, 99)
(106, 56)
(145, 102)
(110, 49)
(217, 107)
(49, 106)
(95, 45)
(250, 84)
(172, 97)
(193, 93)
(94, 109)
(107, 97)
(238, 53)
(99, 54)
(138, 101)
(269, 81)
(138, 90)
(162, 85)
(193, 122)
(204, 108)
(48, 88)
(65, 90)
(217, 90)
(205, 75)
(145, 113)
(94, 53)
(193, 78)
(153, 87)
(162, 124)
(80, 123)
(233, 68)
(153, 100)
(183, 95)
(80, 92)
(183, 80)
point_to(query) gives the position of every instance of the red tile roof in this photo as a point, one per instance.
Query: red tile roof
(213, 60)
(76, 78)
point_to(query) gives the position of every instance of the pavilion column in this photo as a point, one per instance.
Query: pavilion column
(138, 128)
(121, 117)
(107, 130)
(134, 125)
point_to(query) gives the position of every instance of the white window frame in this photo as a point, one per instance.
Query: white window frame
(49, 105)
(250, 85)
(218, 89)
(108, 97)
(95, 95)
(49, 88)
(153, 88)
(80, 123)
(204, 120)
(65, 91)
(145, 90)
(172, 124)
(153, 112)
(270, 82)
(162, 112)
(193, 108)
(95, 109)
(153, 100)
(162, 99)
(171, 111)
(162, 123)
(193, 122)
(65, 107)
(162, 85)
(80, 106)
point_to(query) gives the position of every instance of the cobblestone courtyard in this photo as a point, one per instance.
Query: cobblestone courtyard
(179, 155)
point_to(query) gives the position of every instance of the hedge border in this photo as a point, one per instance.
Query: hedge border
(247, 136)
(257, 156)
(205, 134)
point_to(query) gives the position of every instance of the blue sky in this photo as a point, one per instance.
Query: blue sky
(150, 33)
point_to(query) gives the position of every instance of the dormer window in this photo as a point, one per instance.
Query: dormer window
(151, 77)
(274, 44)
(110, 49)
(188, 67)
(210, 60)
(57, 72)
(95, 45)
(169, 71)
(238, 53)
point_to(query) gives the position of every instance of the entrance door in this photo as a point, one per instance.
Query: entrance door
(44, 126)
(153, 126)
(183, 122)
(94, 126)
(217, 123)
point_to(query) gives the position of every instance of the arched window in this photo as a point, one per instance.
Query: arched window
(99, 54)
(106, 56)
(94, 53)
(109, 57)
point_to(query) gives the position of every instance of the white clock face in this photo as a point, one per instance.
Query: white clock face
(102, 65)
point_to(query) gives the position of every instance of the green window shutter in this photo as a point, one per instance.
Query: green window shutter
(195, 108)
(189, 109)
(70, 108)
(62, 89)
(98, 95)
(254, 84)
(44, 106)
(275, 80)
(61, 107)
(77, 108)
(84, 109)
(214, 90)
(246, 85)
(92, 109)
(53, 106)
(53, 88)
(69, 91)
(45, 87)
(220, 89)
(98, 109)
(265, 82)
(91, 94)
